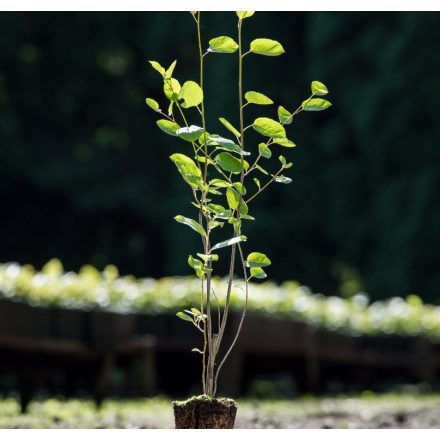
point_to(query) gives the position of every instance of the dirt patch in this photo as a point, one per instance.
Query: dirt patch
(426, 418)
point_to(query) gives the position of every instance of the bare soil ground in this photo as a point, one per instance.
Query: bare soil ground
(362, 411)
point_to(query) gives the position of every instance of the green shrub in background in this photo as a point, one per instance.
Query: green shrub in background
(107, 290)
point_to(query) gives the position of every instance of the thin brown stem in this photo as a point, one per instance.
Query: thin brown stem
(240, 325)
(266, 185)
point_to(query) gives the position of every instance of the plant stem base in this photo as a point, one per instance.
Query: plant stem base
(203, 412)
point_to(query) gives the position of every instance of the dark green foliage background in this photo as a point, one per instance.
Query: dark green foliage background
(85, 175)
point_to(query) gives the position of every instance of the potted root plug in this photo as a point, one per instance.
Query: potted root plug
(217, 168)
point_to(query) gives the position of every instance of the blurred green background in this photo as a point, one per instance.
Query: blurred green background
(85, 174)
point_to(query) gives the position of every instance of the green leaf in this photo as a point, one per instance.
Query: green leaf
(262, 170)
(191, 93)
(244, 14)
(315, 105)
(264, 150)
(219, 183)
(265, 46)
(233, 198)
(190, 134)
(210, 257)
(284, 142)
(171, 89)
(225, 144)
(240, 188)
(191, 223)
(219, 211)
(257, 272)
(257, 182)
(257, 98)
(318, 88)
(229, 127)
(268, 127)
(229, 242)
(222, 45)
(158, 67)
(257, 259)
(184, 316)
(188, 169)
(169, 72)
(284, 116)
(152, 104)
(169, 127)
(283, 161)
(229, 163)
(283, 179)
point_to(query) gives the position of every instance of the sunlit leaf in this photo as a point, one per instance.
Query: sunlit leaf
(171, 89)
(258, 272)
(184, 316)
(229, 127)
(257, 98)
(283, 179)
(264, 150)
(191, 223)
(315, 105)
(229, 242)
(152, 104)
(318, 88)
(265, 46)
(257, 259)
(244, 14)
(223, 44)
(170, 70)
(169, 127)
(158, 67)
(284, 116)
(284, 142)
(191, 93)
(188, 169)
(190, 134)
(268, 127)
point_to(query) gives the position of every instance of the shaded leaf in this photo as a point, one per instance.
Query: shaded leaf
(229, 163)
